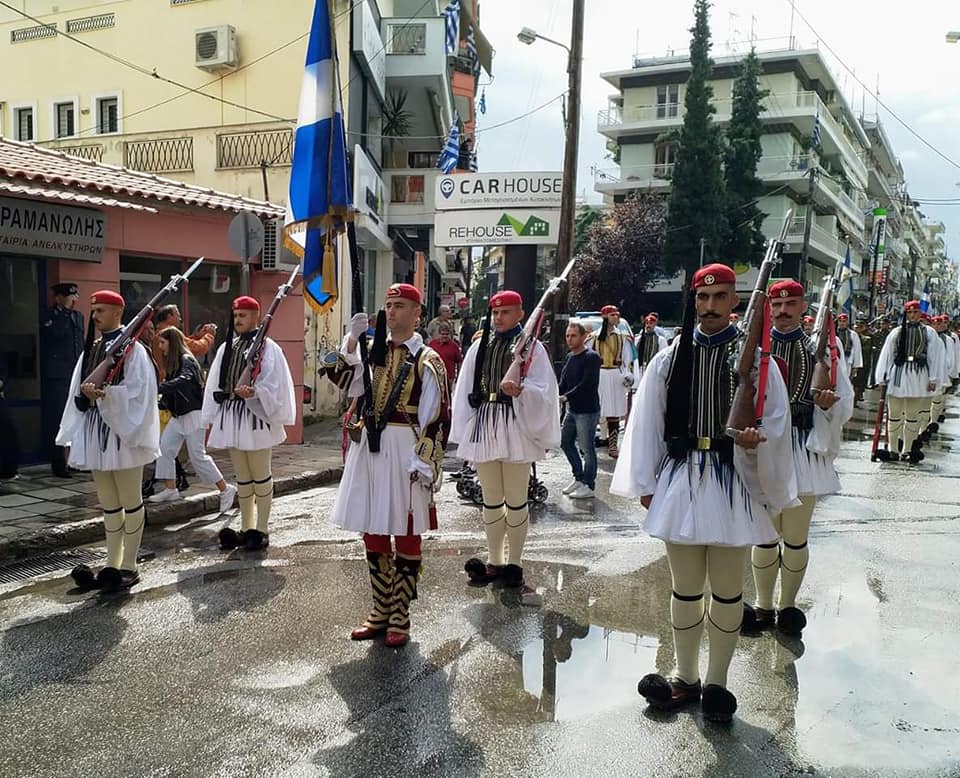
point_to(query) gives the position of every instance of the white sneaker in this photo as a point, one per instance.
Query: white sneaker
(167, 495)
(583, 493)
(571, 487)
(227, 496)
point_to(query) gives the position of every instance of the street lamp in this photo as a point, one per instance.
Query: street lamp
(570, 152)
(953, 36)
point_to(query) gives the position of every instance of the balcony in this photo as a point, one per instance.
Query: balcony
(799, 109)
(826, 247)
(412, 198)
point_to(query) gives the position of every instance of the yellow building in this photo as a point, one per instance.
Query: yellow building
(207, 92)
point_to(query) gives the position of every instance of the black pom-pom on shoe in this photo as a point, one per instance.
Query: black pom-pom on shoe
(513, 576)
(84, 577)
(109, 579)
(791, 621)
(255, 540)
(229, 539)
(667, 693)
(718, 704)
(481, 574)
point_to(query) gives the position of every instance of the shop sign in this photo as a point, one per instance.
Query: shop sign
(59, 232)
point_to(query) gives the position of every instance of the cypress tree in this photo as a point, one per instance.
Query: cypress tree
(697, 200)
(741, 156)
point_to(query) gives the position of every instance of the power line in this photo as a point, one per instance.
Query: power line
(873, 94)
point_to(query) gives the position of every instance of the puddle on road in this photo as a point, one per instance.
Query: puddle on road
(578, 671)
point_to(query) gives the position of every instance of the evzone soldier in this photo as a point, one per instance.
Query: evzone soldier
(649, 344)
(910, 364)
(502, 428)
(113, 431)
(947, 374)
(852, 348)
(708, 496)
(817, 422)
(248, 420)
(616, 373)
(393, 461)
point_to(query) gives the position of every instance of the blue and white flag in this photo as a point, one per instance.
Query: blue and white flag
(925, 297)
(472, 51)
(845, 292)
(483, 102)
(452, 27)
(451, 149)
(817, 139)
(320, 176)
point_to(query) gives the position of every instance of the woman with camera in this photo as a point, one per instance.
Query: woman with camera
(182, 394)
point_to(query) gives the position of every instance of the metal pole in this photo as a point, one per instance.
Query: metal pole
(263, 175)
(808, 224)
(703, 245)
(569, 192)
(245, 268)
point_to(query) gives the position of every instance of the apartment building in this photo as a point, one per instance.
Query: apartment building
(804, 100)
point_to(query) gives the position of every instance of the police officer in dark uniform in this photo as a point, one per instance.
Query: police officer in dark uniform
(61, 343)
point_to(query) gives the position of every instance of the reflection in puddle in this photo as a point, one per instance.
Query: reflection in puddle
(872, 694)
(577, 670)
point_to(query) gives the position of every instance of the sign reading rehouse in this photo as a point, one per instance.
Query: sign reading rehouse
(56, 231)
(497, 227)
(498, 190)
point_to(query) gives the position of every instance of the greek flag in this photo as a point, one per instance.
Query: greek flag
(483, 102)
(451, 149)
(817, 140)
(452, 26)
(845, 293)
(320, 176)
(472, 51)
(925, 297)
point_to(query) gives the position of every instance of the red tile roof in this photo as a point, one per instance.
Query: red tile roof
(60, 173)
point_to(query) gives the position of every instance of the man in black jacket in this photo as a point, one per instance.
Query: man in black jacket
(61, 343)
(579, 388)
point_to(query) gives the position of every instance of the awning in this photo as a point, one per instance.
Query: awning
(484, 50)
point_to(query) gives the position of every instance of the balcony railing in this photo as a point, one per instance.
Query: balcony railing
(768, 168)
(252, 149)
(163, 155)
(33, 33)
(824, 239)
(88, 23)
(91, 151)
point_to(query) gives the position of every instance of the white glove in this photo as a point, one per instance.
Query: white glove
(358, 325)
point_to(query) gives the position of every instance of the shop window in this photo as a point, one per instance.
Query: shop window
(141, 278)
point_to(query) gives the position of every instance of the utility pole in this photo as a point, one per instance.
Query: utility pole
(808, 223)
(569, 191)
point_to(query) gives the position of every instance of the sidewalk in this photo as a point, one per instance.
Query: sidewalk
(39, 512)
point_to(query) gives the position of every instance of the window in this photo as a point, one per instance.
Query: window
(422, 159)
(668, 101)
(108, 115)
(23, 123)
(65, 116)
(664, 159)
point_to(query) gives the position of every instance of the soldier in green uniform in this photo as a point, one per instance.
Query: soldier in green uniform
(863, 377)
(61, 343)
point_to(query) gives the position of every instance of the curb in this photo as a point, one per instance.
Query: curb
(91, 530)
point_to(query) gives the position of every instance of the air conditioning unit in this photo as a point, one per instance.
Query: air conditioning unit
(215, 48)
(274, 256)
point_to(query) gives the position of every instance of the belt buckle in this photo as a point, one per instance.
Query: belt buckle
(492, 398)
(703, 444)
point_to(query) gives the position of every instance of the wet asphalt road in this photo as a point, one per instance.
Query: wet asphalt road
(229, 665)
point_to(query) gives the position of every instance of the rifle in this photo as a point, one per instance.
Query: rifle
(254, 354)
(825, 336)
(880, 430)
(743, 411)
(523, 353)
(112, 361)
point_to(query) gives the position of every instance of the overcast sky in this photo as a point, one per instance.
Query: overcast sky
(917, 71)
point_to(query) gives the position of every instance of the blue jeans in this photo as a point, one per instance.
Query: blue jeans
(578, 431)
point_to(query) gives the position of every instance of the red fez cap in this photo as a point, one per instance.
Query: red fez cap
(404, 292)
(245, 303)
(842, 317)
(608, 309)
(650, 318)
(107, 297)
(504, 298)
(911, 305)
(783, 289)
(655, 315)
(714, 274)
(808, 320)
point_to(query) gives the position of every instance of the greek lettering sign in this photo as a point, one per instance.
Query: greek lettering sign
(498, 190)
(497, 227)
(55, 231)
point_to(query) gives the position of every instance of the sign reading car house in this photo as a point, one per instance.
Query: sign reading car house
(498, 190)
(40, 229)
(497, 227)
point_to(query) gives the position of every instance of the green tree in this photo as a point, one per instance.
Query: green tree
(741, 156)
(586, 217)
(697, 198)
(621, 256)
